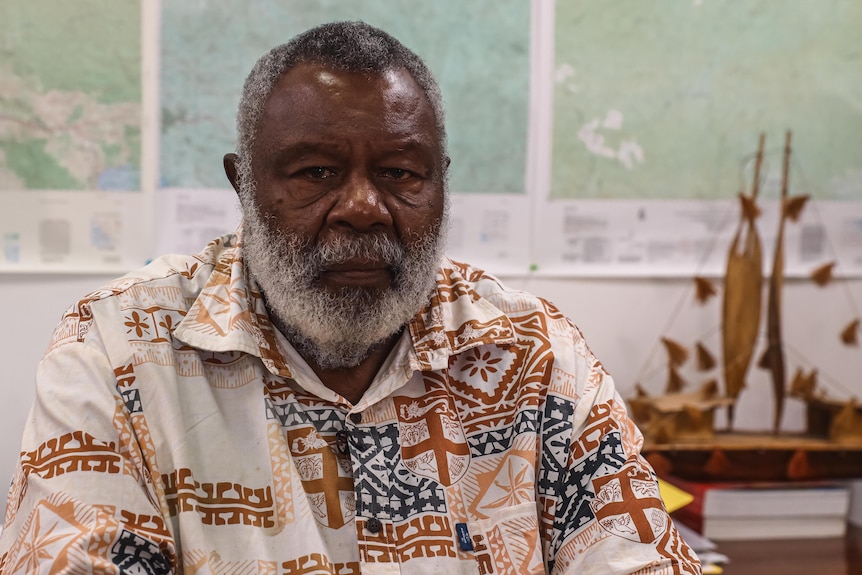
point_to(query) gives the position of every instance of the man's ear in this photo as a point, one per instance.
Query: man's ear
(231, 171)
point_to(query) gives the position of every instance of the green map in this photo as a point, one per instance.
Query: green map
(667, 99)
(478, 50)
(70, 103)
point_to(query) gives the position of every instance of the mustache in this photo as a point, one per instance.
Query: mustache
(371, 247)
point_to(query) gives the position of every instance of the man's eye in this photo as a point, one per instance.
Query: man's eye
(318, 173)
(396, 174)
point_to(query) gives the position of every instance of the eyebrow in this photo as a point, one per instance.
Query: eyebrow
(330, 147)
(412, 143)
(277, 155)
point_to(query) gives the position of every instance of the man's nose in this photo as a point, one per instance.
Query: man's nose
(360, 205)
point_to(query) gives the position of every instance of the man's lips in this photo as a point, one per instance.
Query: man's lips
(356, 273)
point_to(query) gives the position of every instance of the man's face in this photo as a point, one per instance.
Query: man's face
(340, 153)
(343, 233)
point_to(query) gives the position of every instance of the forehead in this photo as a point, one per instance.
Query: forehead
(316, 100)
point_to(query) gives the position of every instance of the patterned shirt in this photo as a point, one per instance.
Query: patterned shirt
(175, 430)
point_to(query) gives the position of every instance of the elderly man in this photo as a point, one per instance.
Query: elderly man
(325, 392)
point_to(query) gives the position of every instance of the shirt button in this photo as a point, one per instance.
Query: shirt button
(356, 418)
(374, 525)
(341, 442)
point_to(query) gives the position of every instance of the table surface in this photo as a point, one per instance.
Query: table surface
(795, 557)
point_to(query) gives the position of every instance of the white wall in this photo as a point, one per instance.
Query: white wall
(34, 304)
(621, 319)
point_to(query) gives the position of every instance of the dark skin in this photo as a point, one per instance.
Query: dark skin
(340, 152)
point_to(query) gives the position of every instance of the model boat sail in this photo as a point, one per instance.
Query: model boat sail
(742, 292)
(773, 357)
(681, 415)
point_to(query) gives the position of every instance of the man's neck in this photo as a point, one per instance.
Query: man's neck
(352, 382)
(349, 382)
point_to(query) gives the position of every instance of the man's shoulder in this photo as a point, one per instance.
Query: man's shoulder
(530, 318)
(168, 282)
(488, 286)
(511, 301)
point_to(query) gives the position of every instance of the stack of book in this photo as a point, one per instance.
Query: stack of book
(855, 514)
(758, 510)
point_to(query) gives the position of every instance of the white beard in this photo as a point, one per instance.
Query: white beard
(337, 329)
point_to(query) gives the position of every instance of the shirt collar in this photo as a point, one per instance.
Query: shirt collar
(229, 313)
(457, 318)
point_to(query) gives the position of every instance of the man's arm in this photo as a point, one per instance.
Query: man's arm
(82, 499)
(608, 517)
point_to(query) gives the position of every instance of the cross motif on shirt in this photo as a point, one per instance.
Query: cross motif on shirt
(632, 504)
(319, 469)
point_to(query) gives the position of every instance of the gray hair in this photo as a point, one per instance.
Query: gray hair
(346, 46)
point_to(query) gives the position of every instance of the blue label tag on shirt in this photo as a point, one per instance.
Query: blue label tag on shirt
(464, 541)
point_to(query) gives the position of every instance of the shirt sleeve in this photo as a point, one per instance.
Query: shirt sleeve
(608, 517)
(82, 499)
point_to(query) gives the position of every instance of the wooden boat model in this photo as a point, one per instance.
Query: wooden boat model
(679, 426)
(837, 420)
